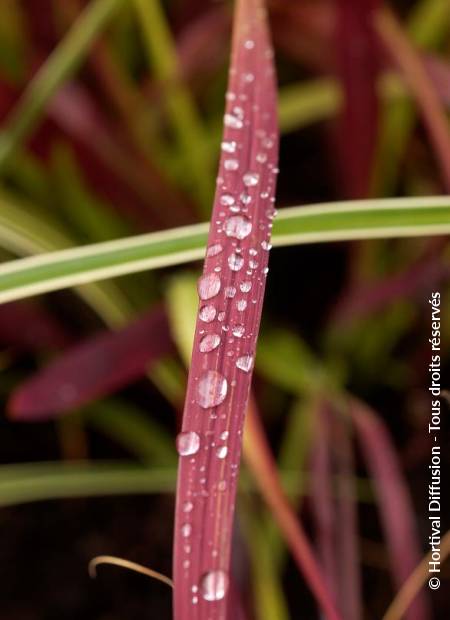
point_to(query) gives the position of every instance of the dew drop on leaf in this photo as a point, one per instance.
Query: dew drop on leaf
(188, 443)
(238, 227)
(231, 164)
(221, 452)
(208, 286)
(186, 530)
(214, 585)
(227, 200)
(214, 250)
(207, 313)
(235, 262)
(212, 389)
(238, 331)
(245, 286)
(232, 121)
(244, 363)
(209, 342)
(230, 291)
(229, 147)
(250, 179)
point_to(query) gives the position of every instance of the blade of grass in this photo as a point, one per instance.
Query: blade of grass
(184, 118)
(263, 467)
(24, 231)
(412, 67)
(227, 330)
(63, 61)
(395, 507)
(402, 217)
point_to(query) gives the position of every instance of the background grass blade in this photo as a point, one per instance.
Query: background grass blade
(343, 221)
(59, 66)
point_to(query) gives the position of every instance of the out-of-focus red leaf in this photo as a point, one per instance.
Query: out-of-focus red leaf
(396, 510)
(93, 369)
(42, 330)
(438, 71)
(363, 299)
(357, 68)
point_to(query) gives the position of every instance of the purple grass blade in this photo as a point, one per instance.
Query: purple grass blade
(358, 68)
(231, 293)
(396, 510)
(97, 367)
(44, 331)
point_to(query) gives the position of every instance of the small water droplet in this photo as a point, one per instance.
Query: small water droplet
(230, 291)
(253, 252)
(250, 179)
(248, 77)
(237, 226)
(231, 164)
(224, 435)
(261, 158)
(244, 363)
(252, 264)
(207, 313)
(229, 147)
(232, 121)
(227, 200)
(239, 112)
(188, 507)
(238, 331)
(212, 389)
(208, 286)
(245, 198)
(221, 452)
(241, 305)
(188, 443)
(235, 262)
(214, 585)
(209, 342)
(186, 530)
(214, 250)
(222, 485)
(266, 245)
(249, 44)
(245, 286)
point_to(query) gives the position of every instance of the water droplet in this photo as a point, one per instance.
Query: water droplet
(212, 389)
(239, 112)
(250, 179)
(230, 291)
(238, 226)
(261, 158)
(268, 143)
(231, 164)
(244, 363)
(266, 245)
(207, 313)
(188, 443)
(249, 45)
(252, 264)
(238, 331)
(214, 585)
(222, 485)
(188, 507)
(214, 250)
(227, 200)
(208, 285)
(245, 286)
(241, 305)
(245, 198)
(186, 530)
(248, 77)
(221, 316)
(209, 342)
(232, 121)
(235, 262)
(253, 252)
(221, 452)
(229, 147)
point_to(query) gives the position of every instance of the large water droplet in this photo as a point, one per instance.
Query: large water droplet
(212, 389)
(250, 179)
(208, 285)
(245, 363)
(214, 585)
(235, 262)
(207, 313)
(238, 227)
(188, 443)
(209, 342)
